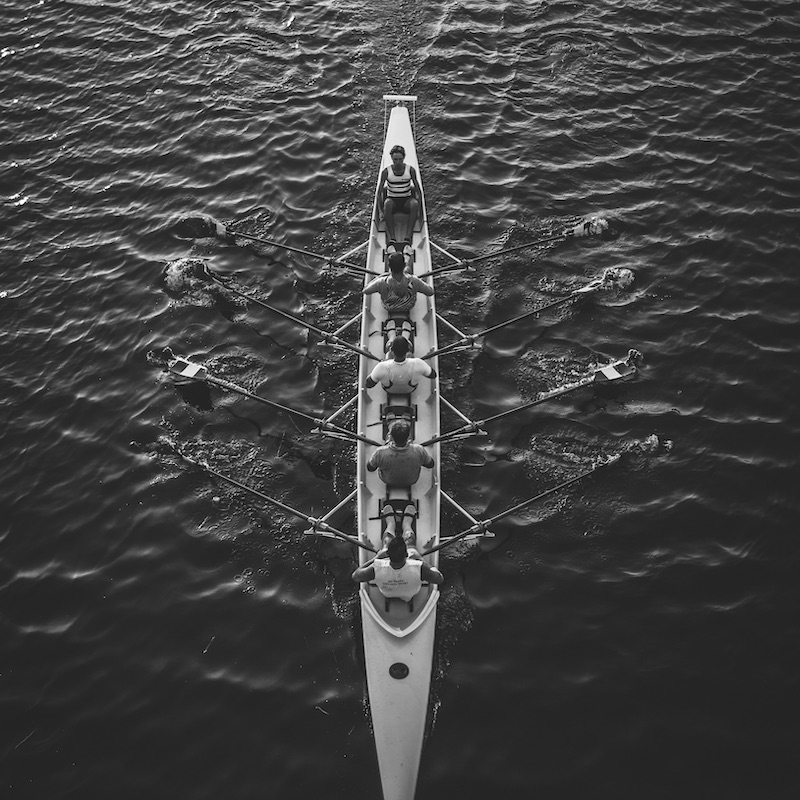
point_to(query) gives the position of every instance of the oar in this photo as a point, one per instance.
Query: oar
(187, 369)
(588, 226)
(328, 338)
(317, 525)
(204, 226)
(469, 341)
(482, 526)
(619, 370)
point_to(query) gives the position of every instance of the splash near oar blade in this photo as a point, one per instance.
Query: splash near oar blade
(594, 225)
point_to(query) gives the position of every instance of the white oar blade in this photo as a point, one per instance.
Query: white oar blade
(187, 369)
(614, 372)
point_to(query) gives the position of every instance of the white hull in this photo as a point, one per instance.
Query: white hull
(400, 635)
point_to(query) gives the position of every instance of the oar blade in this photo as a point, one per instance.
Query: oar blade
(184, 368)
(619, 370)
(200, 226)
(614, 372)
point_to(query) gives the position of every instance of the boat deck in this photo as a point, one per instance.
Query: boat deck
(398, 636)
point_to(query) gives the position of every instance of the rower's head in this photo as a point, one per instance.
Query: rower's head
(397, 154)
(397, 550)
(397, 264)
(399, 348)
(399, 431)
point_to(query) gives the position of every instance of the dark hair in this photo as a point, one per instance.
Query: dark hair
(396, 549)
(400, 430)
(396, 262)
(400, 346)
(398, 148)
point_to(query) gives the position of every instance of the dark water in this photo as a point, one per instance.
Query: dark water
(163, 636)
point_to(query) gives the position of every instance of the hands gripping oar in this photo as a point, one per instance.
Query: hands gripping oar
(328, 338)
(594, 226)
(482, 526)
(184, 368)
(318, 526)
(203, 226)
(619, 370)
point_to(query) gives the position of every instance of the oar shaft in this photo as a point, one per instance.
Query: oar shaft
(552, 490)
(232, 387)
(543, 398)
(553, 238)
(324, 526)
(322, 424)
(468, 262)
(531, 313)
(250, 490)
(326, 337)
(470, 340)
(475, 428)
(299, 250)
(484, 525)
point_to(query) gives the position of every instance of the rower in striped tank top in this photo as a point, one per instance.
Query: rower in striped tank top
(399, 193)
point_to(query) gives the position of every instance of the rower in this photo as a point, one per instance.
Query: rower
(398, 571)
(399, 375)
(399, 462)
(398, 291)
(399, 192)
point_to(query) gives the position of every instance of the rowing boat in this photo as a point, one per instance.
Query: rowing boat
(398, 636)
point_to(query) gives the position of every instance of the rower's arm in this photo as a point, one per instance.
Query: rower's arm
(428, 573)
(416, 192)
(364, 574)
(382, 190)
(373, 286)
(421, 286)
